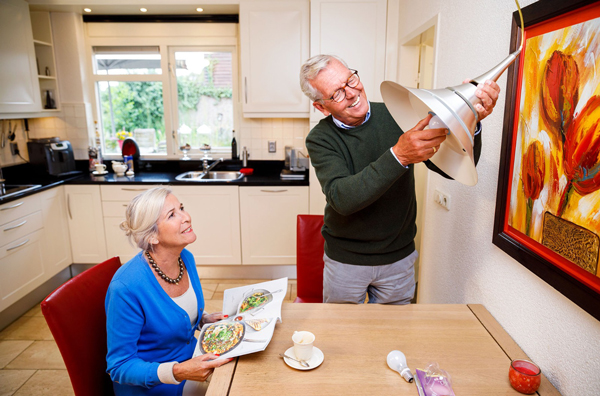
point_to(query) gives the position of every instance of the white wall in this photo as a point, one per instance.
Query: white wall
(459, 263)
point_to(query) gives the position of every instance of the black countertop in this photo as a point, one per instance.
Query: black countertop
(266, 173)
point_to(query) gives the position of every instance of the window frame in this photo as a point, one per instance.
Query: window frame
(164, 35)
(215, 152)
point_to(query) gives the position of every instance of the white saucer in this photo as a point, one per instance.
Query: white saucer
(99, 173)
(314, 362)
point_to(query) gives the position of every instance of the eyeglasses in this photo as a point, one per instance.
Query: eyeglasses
(352, 82)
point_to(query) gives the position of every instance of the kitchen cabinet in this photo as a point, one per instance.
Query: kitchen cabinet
(215, 217)
(268, 220)
(56, 243)
(21, 250)
(215, 212)
(274, 38)
(19, 85)
(46, 64)
(354, 30)
(86, 228)
(114, 202)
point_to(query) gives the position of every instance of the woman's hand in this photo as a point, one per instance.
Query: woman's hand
(198, 368)
(213, 317)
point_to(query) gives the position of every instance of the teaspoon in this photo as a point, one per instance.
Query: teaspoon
(302, 362)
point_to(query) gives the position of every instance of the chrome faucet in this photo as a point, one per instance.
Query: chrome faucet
(206, 168)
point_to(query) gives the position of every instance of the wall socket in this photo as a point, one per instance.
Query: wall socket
(442, 199)
(14, 148)
(272, 147)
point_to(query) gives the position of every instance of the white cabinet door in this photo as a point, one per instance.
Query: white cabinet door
(215, 213)
(268, 217)
(117, 243)
(355, 31)
(55, 240)
(274, 44)
(19, 86)
(21, 266)
(86, 227)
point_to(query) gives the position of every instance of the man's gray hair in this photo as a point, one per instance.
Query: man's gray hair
(309, 71)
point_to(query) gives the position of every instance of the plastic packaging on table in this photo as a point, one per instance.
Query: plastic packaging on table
(433, 381)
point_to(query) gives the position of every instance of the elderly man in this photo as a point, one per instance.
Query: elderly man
(364, 162)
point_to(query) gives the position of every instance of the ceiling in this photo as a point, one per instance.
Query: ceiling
(132, 7)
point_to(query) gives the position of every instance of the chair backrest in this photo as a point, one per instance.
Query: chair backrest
(76, 317)
(309, 258)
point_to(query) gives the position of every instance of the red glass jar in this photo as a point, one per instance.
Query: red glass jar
(524, 376)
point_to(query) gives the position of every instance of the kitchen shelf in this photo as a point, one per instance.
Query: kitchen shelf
(44, 54)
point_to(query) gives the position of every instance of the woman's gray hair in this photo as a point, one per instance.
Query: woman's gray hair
(141, 216)
(309, 71)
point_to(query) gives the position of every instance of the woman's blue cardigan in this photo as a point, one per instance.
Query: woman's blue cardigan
(145, 327)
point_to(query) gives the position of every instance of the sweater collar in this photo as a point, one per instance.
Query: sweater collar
(340, 124)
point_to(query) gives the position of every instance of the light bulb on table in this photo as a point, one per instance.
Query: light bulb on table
(397, 362)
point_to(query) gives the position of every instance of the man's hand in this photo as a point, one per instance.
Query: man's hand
(198, 368)
(417, 144)
(488, 93)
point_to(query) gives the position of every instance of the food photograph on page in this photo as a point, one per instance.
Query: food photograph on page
(253, 312)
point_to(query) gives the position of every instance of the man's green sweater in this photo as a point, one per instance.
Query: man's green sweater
(371, 204)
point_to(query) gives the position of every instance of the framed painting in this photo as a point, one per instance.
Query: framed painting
(548, 203)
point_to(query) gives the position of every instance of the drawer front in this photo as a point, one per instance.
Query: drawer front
(22, 268)
(20, 227)
(114, 208)
(122, 193)
(19, 208)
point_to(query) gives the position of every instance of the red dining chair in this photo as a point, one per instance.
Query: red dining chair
(309, 258)
(76, 317)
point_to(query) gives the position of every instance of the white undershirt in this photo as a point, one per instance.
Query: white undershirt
(187, 301)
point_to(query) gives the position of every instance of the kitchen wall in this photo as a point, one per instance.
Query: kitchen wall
(255, 134)
(459, 263)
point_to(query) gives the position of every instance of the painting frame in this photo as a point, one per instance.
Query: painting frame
(546, 266)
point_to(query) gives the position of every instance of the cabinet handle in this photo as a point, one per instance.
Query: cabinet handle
(14, 206)
(246, 89)
(19, 245)
(273, 191)
(134, 189)
(69, 206)
(16, 226)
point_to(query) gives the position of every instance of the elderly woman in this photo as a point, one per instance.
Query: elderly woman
(154, 304)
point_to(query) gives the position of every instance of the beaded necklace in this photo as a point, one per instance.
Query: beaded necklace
(162, 274)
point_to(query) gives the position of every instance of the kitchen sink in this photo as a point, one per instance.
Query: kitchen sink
(12, 189)
(212, 176)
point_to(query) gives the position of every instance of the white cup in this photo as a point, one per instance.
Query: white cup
(100, 168)
(119, 169)
(303, 344)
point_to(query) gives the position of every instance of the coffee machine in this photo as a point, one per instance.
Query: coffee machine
(55, 156)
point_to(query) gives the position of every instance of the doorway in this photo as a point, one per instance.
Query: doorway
(416, 69)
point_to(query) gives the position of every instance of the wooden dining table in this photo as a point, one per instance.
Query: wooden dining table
(465, 340)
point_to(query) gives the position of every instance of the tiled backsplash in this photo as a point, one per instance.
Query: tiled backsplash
(76, 124)
(256, 133)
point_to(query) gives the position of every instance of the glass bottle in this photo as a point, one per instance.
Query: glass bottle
(234, 149)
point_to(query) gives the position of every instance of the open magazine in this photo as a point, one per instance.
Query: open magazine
(253, 311)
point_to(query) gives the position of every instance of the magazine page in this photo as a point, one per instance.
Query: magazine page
(253, 312)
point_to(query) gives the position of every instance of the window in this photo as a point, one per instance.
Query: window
(204, 84)
(135, 84)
